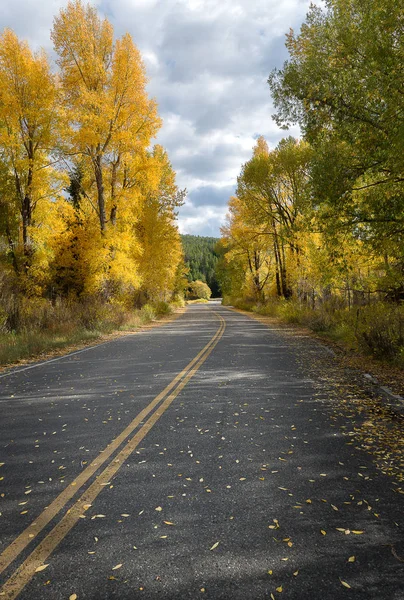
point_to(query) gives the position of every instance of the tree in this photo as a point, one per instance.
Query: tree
(28, 129)
(247, 253)
(109, 118)
(199, 290)
(343, 85)
(160, 252)
(272, 189)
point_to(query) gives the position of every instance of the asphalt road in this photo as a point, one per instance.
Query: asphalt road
(201, 458)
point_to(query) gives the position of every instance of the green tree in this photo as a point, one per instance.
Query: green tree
(343, 85)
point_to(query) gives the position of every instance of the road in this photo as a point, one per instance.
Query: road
(203, 458)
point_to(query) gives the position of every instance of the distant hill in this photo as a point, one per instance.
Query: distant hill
(201, 259)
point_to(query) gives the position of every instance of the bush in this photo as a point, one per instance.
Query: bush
(147, 313)
(199, 289)
(380, 330)
(162, 308)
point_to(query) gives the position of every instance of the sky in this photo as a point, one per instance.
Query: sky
(208, 63)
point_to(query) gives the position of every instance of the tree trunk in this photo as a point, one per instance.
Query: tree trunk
(114, 177)
(100, 192)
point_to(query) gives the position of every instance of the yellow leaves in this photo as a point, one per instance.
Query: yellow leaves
(349, 531)
(279, 589)
(215, 545)
(276, 526)
(351, 559)
(117, 567)
(158, 508)
(41, 568)
(323, 532)
(345, 584)
(73, 597)
(168, 522)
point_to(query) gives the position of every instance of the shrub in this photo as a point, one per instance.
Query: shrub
(147, 313)
(199, 289)
(162, 308)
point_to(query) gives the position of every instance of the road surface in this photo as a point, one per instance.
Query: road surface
(203, 458)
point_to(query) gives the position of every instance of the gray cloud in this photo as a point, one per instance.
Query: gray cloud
(208, 64)
(209, 195)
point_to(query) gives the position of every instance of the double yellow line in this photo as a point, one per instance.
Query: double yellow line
(23, 574)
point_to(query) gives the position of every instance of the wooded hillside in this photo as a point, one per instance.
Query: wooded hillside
(201, 258)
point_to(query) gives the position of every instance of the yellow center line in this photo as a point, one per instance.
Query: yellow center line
(27, 536)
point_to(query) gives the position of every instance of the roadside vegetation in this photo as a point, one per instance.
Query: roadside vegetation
(88, 235)
(314, 233)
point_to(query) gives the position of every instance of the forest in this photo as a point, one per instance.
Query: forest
(315, 231)
(201, 257)
(87, 203)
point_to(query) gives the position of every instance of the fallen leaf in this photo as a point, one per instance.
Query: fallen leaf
(159, 509)
(117, 567)
(168, 523)
(215, 545)
(296, 573)
(73, 597)
(345, 584)
(279, 589)
(357, 532)
(41, 568)
(323, 532)
(351, 559)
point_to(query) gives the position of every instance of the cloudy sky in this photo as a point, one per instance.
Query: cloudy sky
(208, 62)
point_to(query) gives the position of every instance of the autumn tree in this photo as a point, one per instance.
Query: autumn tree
(28, 129)
(109, 118)
(272, 188)
(156, 230)
(247, 256)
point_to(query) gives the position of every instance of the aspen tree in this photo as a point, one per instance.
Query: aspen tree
(28, 125)
(109, 117)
